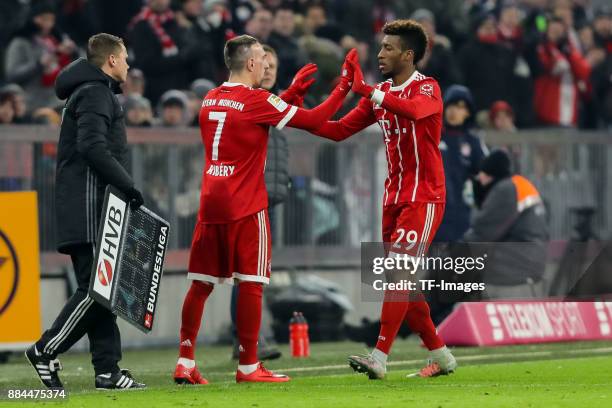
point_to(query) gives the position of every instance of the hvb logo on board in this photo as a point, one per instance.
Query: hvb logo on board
(110, 240)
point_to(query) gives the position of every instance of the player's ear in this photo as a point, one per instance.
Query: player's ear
(251, 64)
(408, 55)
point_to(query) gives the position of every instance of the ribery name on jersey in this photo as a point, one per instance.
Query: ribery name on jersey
(220, 170)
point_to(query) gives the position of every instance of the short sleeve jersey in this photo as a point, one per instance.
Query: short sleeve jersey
(234, 123)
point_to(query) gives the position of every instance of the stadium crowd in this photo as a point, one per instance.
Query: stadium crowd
(504, 65)
(527, 63)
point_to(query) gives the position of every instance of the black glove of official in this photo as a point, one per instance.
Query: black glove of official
(135, 198)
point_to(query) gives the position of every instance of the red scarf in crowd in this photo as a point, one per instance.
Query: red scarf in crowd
(50, 44)
(156, 21)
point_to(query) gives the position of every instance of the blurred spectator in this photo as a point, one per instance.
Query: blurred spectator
(564, 11)
(47, 116)
(602, 91)
(451, 15)
(19, 103)
(7, 112)
(158, 49)
(462, 152)
(510, 210)
(80, 20)
(201, 87)
(37, 54)
(315, 17)
(509, 27)
(194, 103)
(174, 109)
(602, 24)
(201, 39)
(112, 16)
(260, 24)
(13, 14)
(197, 91)
(487, 65)
(501, 117)
(138, 111)
(438, 60)
(134, 83)
(290, 56)
(594, 55)
(562, 68)
(237, 12)
(316, 23)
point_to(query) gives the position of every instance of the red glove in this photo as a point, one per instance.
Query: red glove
(299, 86)
(347, 72)
(359, 85)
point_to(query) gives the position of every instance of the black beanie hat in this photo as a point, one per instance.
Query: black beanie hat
(39, 7)
(496, 164)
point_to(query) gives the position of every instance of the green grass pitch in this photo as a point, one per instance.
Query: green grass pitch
(553, 375)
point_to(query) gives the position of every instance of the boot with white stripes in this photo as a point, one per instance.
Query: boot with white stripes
(45, 368)
(121, 380)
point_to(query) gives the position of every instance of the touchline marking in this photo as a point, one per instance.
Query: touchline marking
(461, 358)
(475, 357)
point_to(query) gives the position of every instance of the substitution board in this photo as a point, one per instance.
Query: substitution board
(129, 260)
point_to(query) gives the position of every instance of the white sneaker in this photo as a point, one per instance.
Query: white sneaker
(368, 365)
(441, 362)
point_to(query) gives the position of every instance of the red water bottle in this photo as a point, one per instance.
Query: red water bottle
(305, 336)
(295, 339)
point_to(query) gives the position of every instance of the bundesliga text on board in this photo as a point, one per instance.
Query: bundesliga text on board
(155, 278)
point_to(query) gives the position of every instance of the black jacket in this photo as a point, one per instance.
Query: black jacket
(488, 71)
(462, 152)
(92, 151)
(277, 168)
(290, 58)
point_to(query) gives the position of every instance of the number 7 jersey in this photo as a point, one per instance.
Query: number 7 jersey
(234, 123)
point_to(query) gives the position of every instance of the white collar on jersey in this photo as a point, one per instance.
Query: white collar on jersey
(405, 84)
(233, 84)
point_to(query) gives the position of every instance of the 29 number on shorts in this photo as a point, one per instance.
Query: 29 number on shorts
(410, 236)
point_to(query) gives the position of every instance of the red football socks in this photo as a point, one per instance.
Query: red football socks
(419, 321)
(393, 311)
(193, 309)
(248, 320)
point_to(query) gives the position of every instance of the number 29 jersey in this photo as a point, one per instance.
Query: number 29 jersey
(234, 123)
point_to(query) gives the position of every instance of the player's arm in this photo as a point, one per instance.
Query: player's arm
(311, 119)
(356, 120)
(425, 103)
(282, 114)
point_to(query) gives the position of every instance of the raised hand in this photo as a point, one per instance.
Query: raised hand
(300, 85)
(347, 73)
(359, 85)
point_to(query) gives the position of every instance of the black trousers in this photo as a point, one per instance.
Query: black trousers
(82, 315)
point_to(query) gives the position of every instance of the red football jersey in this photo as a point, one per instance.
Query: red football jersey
(234, 124)
(411, 136)
(416, 172)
